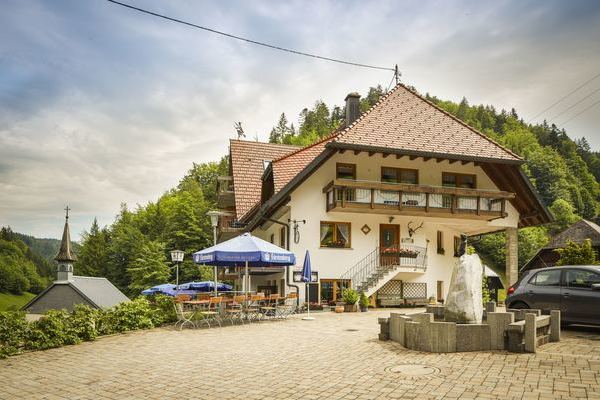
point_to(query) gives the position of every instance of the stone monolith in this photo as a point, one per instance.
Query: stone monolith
(464, 303)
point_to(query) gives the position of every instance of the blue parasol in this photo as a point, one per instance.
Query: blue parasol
(246, 250)
(306, 278)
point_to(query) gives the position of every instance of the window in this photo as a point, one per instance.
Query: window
(282, 237)
(331, 289)
(399, 175)
(335, 234)
(345, 171)
(266, 163)
(546, 278)
(452, 179)
(579, 278)
(456, 246)
(440, 242)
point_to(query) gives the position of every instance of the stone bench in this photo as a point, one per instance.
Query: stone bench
(532, 331)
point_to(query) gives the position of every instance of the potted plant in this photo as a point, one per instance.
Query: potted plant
(363, 302)
(432, 301)
(350, 298)
(408, 253)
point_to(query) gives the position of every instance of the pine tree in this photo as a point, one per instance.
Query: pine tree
(93, 257)
(148, 268)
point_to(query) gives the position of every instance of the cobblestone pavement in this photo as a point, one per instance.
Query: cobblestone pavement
(337, 356)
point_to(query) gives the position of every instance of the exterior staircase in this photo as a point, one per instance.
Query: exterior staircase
(382, 264)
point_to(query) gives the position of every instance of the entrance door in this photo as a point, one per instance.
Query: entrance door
(389, 244)
(440, 291)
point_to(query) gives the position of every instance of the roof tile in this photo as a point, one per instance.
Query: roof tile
(247, 164)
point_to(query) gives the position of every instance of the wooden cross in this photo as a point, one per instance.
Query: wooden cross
(67, 210)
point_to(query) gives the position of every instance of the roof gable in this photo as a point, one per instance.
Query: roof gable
(578, 232)
(290, 165)
(247, 167)
(99, 291)
(404, 121)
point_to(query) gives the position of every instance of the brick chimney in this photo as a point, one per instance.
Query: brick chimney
(352, 108)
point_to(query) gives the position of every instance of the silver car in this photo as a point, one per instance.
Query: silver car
(574, 290)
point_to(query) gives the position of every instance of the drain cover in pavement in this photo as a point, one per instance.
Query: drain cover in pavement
(413, 369)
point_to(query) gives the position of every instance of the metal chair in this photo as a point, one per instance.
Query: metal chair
(290, 304)
(183, 316)
(234, 310)
(269, 307)
(211, 311)
(252, 308)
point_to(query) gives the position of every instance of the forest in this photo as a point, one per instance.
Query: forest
(133, 252)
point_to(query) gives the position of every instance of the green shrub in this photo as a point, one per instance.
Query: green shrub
(83, 322)
(54, 329)
(349, 296)
(59, 327)
(364, 300)
(129, 316)
(13, 331)
(163, 310)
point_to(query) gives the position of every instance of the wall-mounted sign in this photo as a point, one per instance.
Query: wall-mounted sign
(313, 278)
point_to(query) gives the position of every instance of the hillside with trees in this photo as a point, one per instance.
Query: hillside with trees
(133, 252)
(21, 269)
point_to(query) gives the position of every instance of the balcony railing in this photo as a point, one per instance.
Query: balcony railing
(228, 223)
(225, 192)
(362, 196)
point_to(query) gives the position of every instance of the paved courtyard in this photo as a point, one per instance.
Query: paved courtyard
(337, 356)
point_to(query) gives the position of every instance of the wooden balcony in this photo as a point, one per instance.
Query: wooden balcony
(344, 195)
(225, 192)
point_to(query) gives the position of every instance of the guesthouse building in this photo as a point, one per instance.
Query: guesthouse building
(381, 203)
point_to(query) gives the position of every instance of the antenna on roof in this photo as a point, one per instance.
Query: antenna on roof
(239, 130)
(397, 74)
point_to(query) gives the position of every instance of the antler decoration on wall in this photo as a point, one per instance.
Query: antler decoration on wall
(412, 231)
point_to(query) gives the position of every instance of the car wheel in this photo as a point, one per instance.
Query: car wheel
(519, 305)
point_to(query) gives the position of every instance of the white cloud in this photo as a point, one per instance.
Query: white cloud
(100, 105)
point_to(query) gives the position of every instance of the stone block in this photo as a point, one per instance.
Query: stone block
(384, 332)
(490, 306)
(472, 337)
(413, 335)
(394, 327)
(423, 318)
(555, 326)
(441, 337)
(499, 322)
(530, 333)
(437, 311)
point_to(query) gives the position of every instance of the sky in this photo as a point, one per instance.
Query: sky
(101, 105)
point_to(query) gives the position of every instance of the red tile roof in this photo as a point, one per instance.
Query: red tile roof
(287, 167)
(247, 168)
(403, 120)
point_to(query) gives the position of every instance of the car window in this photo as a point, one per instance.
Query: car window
(580, 278)
(546, 278)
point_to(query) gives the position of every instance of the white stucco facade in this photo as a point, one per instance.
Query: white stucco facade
(308, 203)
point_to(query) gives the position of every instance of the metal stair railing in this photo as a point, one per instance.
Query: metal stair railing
(363, 270)
(369, 270)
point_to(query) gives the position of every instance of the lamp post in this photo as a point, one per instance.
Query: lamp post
(214, 222)
(177, 258)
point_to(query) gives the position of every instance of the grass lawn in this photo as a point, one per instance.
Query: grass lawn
(12, 302)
